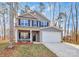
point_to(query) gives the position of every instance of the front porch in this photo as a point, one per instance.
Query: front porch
(27, 36)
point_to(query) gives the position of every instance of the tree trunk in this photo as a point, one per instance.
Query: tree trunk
(4, 26)
(13, 14)
(54, 11)
(68, 23)
(73, 25)
(11, 26)
(76, 8)
(65, 24)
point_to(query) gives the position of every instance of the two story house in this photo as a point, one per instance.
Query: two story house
(27, 26)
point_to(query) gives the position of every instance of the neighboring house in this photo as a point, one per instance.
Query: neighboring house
(27, 26)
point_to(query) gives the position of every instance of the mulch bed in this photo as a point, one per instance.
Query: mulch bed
(24, 43)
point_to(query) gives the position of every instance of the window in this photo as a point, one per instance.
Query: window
(44, 24)
(24, 35)
(19, 21)
(39, 24)
(25, 23)
(34, 23)
(47, 23)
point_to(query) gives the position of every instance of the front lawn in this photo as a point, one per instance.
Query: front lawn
(27, 50)
(3, 44)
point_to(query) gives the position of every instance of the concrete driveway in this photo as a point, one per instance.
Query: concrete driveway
(63, 50)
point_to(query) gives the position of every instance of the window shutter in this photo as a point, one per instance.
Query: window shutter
(32, 22)
(28, 22)
(19, 35)
(40, 23)
(37, 24)
(19, 21)
(47, 24)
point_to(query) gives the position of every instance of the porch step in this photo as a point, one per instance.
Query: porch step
(37, 42)
(24, 43)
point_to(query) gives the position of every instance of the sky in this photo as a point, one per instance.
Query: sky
(64, 7)
(35, 6)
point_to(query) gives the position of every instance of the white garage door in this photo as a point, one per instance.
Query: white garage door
(51, 36)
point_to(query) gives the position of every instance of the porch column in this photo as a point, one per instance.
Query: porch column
(40, 36)
(30, 35)
(16, 34)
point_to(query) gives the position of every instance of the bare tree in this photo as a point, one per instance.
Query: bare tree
(68, 25)
(73, 25)
(4, 24)
(54, 5)
(76, 9)
(50, 6)
(65, 32)
(52, 9)
(41, 6)
(12, 13)
(1, 23)
(3, 12)
(27, 8)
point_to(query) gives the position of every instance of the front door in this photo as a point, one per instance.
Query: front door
(35, 36)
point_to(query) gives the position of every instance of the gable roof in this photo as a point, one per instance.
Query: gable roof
(39, 16)
(33, 15)
(53, 28)
(27, 15)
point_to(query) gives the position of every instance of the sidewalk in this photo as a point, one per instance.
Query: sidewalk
(62, 49)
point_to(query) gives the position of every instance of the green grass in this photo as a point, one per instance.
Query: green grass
(27, 50)
(3, 46)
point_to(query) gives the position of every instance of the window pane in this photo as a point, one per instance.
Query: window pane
(24, 35)
(28, 22)
(24, 23)
(47, 24)
(41, 24)
(34, 23)
(19, 21)
(37, 23)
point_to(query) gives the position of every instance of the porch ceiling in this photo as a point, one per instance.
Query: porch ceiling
(27, 28)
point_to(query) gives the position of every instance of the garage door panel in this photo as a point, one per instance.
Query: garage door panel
(51, 36)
